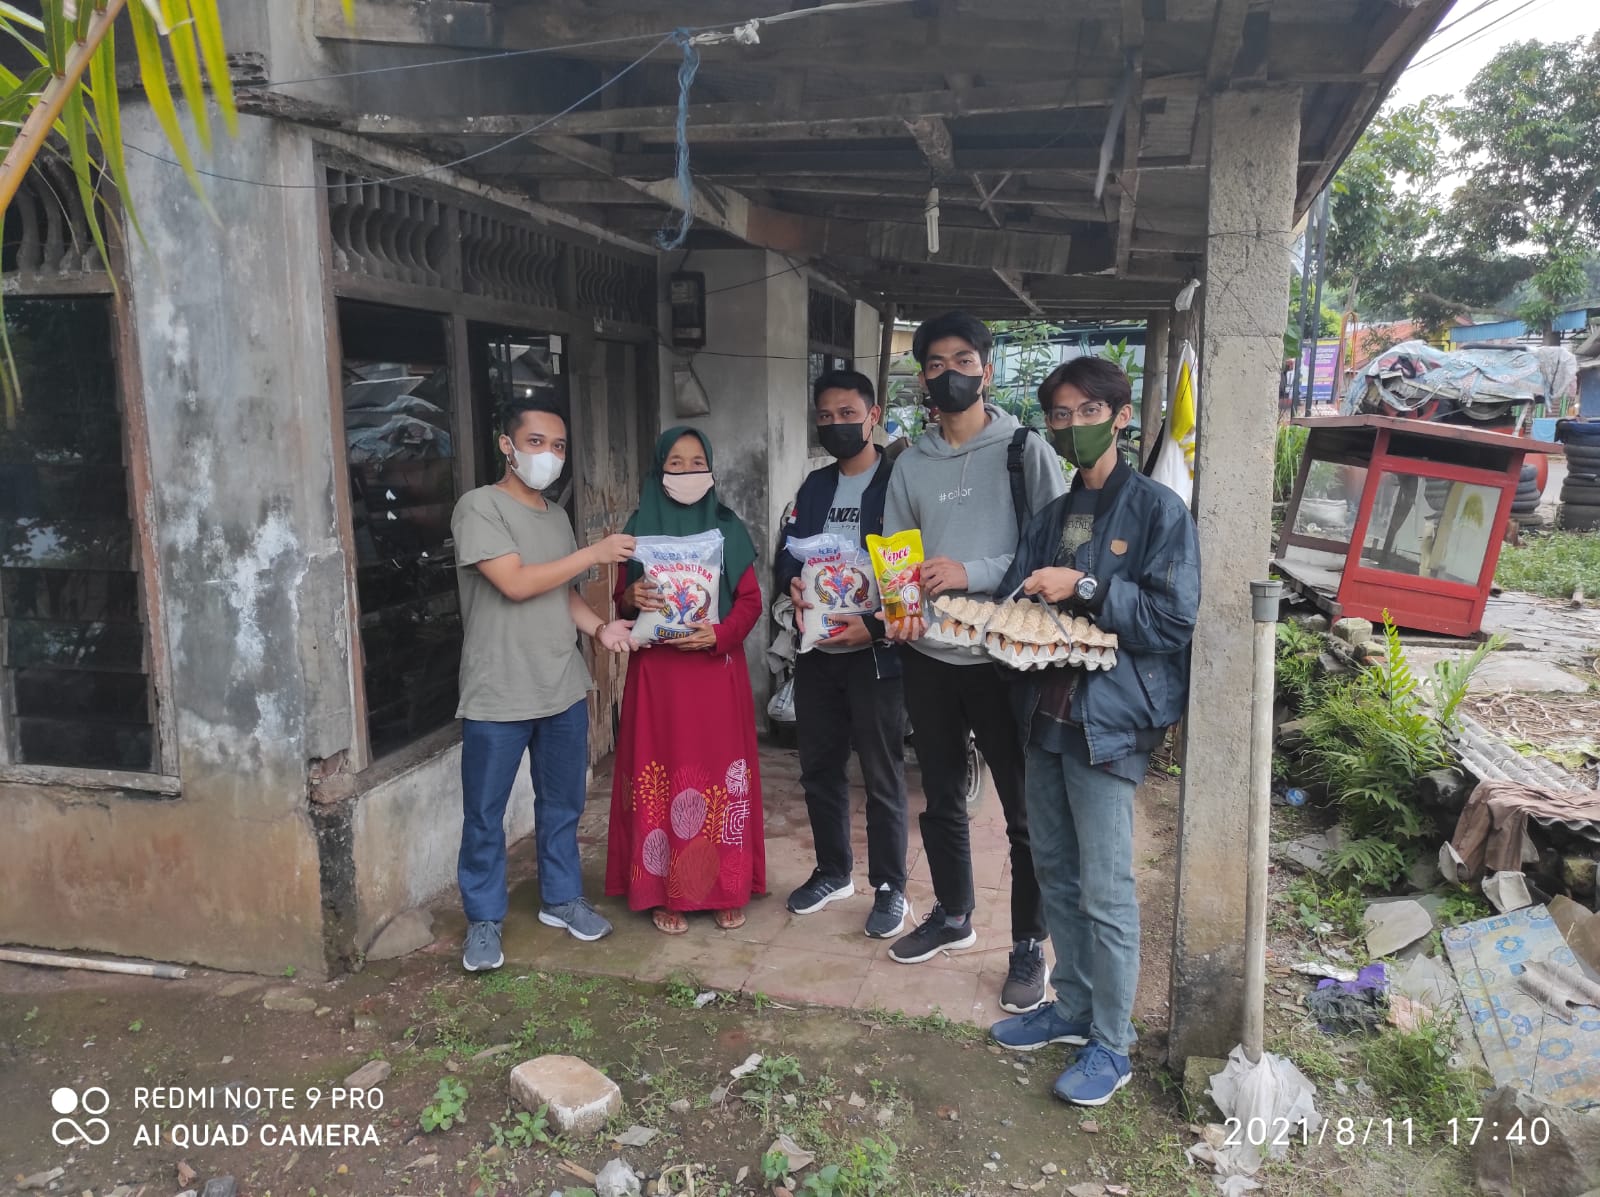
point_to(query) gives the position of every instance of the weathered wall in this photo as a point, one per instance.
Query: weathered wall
(1253, 160)
(406, 834)
(231, 358)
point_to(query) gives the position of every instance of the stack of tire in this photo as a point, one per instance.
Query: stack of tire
(1525, 505)
(1580, 493)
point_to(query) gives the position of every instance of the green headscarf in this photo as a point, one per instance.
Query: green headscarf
(657, 515)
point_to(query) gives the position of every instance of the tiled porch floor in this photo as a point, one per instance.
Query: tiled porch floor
(824, 958)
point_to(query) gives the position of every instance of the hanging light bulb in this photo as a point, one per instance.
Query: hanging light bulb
(930, 211)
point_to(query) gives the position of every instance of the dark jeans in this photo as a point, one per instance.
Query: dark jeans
(945, 703)
(839, 701)
(558, 758)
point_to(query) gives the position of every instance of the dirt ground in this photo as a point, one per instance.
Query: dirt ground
(850, 1085)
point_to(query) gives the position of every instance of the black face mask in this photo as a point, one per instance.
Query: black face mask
(955, 392)
(842, 441)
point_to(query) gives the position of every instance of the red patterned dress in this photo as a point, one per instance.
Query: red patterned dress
(686, 824)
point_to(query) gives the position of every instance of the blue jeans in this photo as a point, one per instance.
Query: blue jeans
(558, 758)
(1080, 821)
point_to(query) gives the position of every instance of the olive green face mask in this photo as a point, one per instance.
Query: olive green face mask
(1084, 444)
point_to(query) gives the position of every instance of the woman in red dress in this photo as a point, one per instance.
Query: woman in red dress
(686, 823)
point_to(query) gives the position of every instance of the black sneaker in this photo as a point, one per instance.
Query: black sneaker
(889, 913)
(935, 935)
(818, 892)
(1024, 987)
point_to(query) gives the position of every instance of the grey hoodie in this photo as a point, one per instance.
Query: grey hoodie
(960, 499)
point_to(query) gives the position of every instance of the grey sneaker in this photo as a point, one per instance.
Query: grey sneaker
(482, 950)
(581, 920)
(889, 913)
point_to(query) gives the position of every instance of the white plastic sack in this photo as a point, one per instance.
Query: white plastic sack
(688, 572)
(836, 579)
(1264, 1106)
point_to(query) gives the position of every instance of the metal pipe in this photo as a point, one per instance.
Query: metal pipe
(1264, 601)
(136, 968)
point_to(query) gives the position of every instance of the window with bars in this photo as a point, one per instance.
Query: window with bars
(401, 456)
(77, 677)
(830, 340)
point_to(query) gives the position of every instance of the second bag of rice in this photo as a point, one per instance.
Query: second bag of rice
(836, 578)
(687, 570)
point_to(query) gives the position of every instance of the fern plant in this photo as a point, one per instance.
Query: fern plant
(1370, 739)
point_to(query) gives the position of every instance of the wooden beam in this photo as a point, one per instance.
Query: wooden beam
(764, 118)
(1013, 282)
(835, 162)
(1132, 135)
(1226, 38)
(933, 138)
(450, 24)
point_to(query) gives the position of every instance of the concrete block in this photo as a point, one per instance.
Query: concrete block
(370, 1074)
(579, 1098)
(405, 933)
(1568, 1162)
(288, 1001)
(1354, 632)
(220, 1186)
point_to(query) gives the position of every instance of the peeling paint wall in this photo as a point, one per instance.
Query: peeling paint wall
(230, 340)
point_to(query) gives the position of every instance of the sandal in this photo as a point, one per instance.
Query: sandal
(730, 920)
(669, 922)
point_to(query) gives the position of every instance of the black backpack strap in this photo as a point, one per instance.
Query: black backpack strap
(1019, 481)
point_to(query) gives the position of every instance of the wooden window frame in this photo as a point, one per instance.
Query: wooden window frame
(163, 780)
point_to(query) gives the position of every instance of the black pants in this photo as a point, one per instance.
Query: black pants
(839, 700)
(945, 703)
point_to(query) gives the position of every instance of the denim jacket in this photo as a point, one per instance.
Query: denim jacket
(1145, 554)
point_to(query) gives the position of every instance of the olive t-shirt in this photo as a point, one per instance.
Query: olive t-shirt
(518, 660)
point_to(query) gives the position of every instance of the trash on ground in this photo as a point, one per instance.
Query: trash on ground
(1507, 891)
(751, 1063)
(1493, 826)
(1580, 928)
(1316, 968)
(1392, 926)
(1523, 1043)
(1271, 1092)
(1559, 989)
(1348, 1006)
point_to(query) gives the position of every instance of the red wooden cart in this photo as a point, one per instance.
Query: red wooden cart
(1401, 515)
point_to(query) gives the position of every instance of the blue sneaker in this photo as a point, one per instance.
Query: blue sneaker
(1095, 1075)
(1029, 1032)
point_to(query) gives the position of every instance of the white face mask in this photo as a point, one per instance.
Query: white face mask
(687, 489)
(538, 470)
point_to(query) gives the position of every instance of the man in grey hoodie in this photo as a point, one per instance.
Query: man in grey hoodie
(954, 484)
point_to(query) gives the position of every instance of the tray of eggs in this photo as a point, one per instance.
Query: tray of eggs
(1021, 634)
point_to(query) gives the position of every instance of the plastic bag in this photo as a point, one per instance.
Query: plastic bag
(897, 565)
(688, 572)
(781, 708)
(836, 578)
(1174, 467)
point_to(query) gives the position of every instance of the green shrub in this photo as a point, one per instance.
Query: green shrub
(1369, 738)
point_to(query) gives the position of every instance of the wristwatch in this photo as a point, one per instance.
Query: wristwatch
(1088, 586)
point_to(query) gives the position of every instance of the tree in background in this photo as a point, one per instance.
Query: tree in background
(1530, 129)
(1525, 214)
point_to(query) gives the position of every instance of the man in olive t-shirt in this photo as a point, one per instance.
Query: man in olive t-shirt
(524, 685)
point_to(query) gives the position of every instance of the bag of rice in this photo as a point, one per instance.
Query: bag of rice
(836, 578)
(897, 564)
(688, 572)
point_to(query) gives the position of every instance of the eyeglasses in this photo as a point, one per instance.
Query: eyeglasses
(1093, 412)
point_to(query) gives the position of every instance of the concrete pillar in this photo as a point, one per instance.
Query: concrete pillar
(1254, 157)
(1158, 330)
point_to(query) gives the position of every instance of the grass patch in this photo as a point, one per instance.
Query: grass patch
(1411, 1073)
(1553, 566)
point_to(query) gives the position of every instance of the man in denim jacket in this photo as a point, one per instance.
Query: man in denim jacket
(1122, 550)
